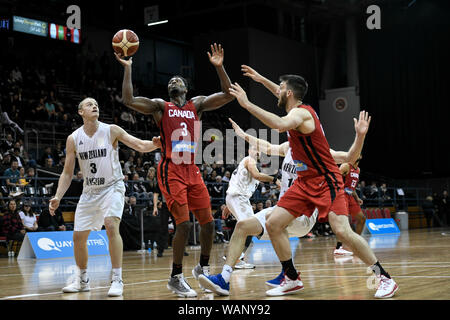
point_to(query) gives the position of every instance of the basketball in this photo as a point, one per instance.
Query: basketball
(125, 42)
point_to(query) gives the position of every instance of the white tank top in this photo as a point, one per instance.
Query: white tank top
(98, 160)
(288, 173)
(242, 182)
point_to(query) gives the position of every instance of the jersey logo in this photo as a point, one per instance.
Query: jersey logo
(81, 142)
(300, 165)
(184, 146)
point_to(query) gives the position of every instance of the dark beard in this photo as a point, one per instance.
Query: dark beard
(282, 103)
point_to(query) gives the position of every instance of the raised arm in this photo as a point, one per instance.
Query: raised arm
(261, 145)
(255, 76)
(293, 120)
(216, 100)
(118, 134)
(140, 104)
(361, 128)
(66, 176)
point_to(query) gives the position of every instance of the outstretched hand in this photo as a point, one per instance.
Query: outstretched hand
(239, 93)
(216, 55)
(237, 129)
(362, 124)
(122, 61)
(251, 73)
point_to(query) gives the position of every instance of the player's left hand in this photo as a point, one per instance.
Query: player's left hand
(360, 202)
(216, 55)
(239, 93)
(362, 124)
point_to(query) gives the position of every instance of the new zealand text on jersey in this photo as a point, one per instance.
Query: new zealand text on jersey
(289, 168)
(91, 154)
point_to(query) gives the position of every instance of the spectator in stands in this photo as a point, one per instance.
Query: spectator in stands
(16, 156)
(227, 176)
(259, 206)
(373, 190)
(47, 154)
(362, 190)
(130, 211)
(253, 206)
(138, 188)
(216, 192)
(151, 182)
(28, 217)
(212, 176)
(128, 164)
(47, 222)
(12, 226)
(22, 180)
(7, 144)
(40, 113)
(48, 163)
(12, 174)
(205, 176)
(268, 203)
(59, 152)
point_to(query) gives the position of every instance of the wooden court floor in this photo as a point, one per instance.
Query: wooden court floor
(419, 261)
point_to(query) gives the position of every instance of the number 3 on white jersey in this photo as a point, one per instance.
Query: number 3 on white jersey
(184, 132)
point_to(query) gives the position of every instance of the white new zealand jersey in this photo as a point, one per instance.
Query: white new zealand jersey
(288, 173)
(242, 182)
(99, 161)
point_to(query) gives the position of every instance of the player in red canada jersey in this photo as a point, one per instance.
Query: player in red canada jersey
(179, 179)
(320, 183)
(350, 172)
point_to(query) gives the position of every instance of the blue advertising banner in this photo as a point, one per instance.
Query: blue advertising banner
(382, 226)
(59, 244)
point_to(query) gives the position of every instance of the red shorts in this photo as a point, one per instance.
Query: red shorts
(184, 184)
(353, 206)
(303, 197)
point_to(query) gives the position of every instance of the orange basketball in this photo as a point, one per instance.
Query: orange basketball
(125, 42)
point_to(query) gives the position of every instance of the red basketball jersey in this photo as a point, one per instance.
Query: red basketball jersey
(351, 180)
(179, 131)
(312, 157)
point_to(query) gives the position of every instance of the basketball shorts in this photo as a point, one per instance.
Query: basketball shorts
(96, 205)
(299, 227)
(184, 184)
(305, 196)
(239, 206)
(353, 205)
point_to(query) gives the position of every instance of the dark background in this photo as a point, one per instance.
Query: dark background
(403, 68)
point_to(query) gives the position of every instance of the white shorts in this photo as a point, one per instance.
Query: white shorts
(239, 206)
(95, 206)
(299, 227)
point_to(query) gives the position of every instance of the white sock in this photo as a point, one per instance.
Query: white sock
(226, 273)
(117, 272)
(83, 274)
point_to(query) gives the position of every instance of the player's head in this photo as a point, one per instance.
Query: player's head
(88, 109)
(177, 86)
(291, 87)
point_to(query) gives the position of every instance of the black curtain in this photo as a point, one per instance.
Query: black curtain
(404, 84)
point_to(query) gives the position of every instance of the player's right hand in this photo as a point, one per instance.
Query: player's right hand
(53, 205)
(125, 63)
(251, 73)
